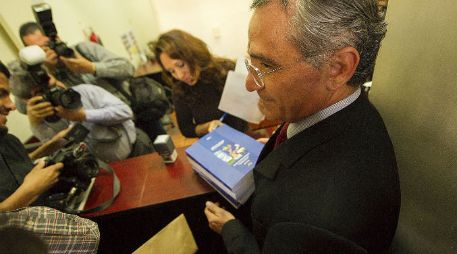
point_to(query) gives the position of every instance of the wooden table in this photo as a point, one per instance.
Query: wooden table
(152, 195)
(146, 180)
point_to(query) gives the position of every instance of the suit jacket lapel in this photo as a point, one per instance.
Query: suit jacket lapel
(285, 155)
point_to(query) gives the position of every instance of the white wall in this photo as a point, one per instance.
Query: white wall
(17, 123)
(415, 90)
(207, 18)
(222, 24)
(109, 19)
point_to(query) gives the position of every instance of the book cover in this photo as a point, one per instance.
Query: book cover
(242, 194)
(228, 156)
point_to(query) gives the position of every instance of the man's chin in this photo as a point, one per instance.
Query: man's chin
(270, 113)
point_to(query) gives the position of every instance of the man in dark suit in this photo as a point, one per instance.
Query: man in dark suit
(327, 181)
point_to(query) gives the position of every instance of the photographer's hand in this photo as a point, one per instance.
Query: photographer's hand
(41, 178)
(36, 182)
(79, 64)
(51, 58)
(77, 115)
(37, 110)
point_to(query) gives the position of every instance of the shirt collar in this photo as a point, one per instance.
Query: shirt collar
(295, 128)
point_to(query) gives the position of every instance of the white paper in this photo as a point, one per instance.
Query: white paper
(175, 238)
(237, 101)
(241, 66)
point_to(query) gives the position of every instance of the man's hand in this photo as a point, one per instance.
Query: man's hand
(51, 57)
(36, 182)
(217, 217)
(213, 125)
(41, 178)
(79, 64)
(77, 115)
(38, 110)
(262, 140)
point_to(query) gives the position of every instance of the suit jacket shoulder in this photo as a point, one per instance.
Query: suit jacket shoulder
(339, 175)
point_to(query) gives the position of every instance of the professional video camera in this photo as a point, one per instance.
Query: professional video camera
(32, 58)
(43, 15)
(80, 167)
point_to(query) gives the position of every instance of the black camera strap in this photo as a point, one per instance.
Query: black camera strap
(107, 203)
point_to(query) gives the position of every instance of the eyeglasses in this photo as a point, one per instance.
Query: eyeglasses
(257, 73)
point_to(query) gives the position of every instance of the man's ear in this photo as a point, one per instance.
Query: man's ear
(342, 66)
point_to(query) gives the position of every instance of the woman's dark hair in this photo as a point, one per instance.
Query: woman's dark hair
(209, 70)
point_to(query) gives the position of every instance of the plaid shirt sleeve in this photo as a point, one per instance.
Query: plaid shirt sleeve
(64, 233)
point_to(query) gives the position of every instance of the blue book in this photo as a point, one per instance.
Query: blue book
(224, 194)
(225, 158)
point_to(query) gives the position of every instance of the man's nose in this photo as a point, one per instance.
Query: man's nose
(250, 84)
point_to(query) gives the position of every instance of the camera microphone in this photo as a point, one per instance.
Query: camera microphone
(32, 58)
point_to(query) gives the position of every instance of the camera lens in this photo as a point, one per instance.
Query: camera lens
(62, 50)
(70, 99)
(88, 169)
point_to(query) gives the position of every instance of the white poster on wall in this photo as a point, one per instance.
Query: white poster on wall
(131, 45)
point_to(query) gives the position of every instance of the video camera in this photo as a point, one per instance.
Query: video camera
(43, 15)
(80, 167)
(32, 58)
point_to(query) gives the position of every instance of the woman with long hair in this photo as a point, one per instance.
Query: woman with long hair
(197, 79)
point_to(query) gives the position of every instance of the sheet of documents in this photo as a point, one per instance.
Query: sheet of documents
(240, 66)
(237, 101)
(175, 238)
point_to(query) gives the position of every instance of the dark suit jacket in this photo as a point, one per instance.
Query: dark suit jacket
(333, 188)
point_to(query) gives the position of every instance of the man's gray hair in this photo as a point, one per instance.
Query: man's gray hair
(21, 82)
(321, 27)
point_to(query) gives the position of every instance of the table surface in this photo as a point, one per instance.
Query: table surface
(145, 181)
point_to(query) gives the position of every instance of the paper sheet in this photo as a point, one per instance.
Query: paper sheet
(237, 101)
(241, 66)
(175, 238)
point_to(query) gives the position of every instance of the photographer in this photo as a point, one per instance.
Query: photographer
(21, 183)
(92, 63)
(109, 120)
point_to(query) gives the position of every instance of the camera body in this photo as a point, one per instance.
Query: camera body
(32, 58)
(43, 15)
(67, 98)
(80, 166)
